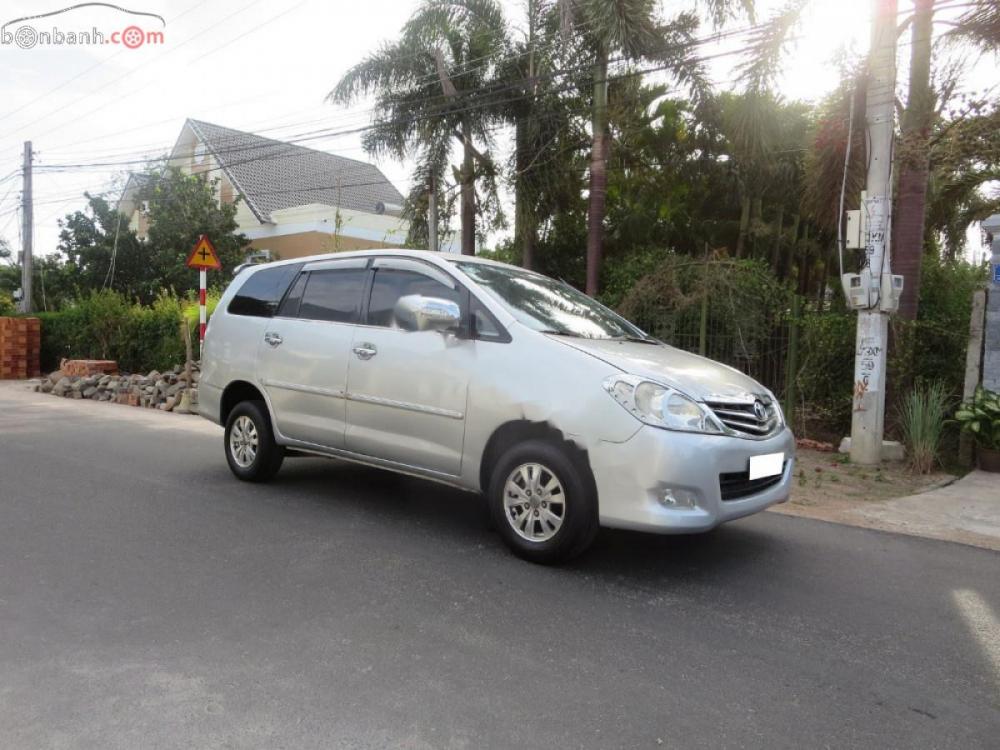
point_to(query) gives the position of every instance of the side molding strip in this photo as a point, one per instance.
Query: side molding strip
(362, 398)
(331, 392)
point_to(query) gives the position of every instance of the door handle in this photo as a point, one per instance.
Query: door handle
(273, 339)
(365, 351)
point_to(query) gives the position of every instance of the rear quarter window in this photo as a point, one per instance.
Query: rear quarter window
(262, 291)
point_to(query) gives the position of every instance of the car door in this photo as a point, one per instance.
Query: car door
(305, 351)
(407, 390)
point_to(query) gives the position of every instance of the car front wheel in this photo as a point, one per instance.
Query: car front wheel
(541, 502)
(251, 451)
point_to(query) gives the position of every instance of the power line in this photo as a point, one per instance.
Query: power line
(446, 109)
(715, 37)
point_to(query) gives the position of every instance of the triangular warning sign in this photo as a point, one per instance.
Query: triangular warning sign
(204, 255)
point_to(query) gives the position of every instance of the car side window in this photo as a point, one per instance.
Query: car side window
(485, 326)
(392, 283)
(261, 292)
(290, 305)
(333, 295)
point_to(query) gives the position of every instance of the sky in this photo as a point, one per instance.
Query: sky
(260, 66)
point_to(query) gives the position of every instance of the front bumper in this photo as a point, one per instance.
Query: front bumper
(632, 477)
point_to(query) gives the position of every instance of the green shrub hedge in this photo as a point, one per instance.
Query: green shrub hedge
(104, 325)
(931, 349)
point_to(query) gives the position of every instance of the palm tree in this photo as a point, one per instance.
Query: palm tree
(434, 87)
(964, 158)
(633, 31)
(978, 26)
(528, 67)
(543, 109)
(750, 123)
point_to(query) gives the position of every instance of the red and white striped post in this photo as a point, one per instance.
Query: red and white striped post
(202, 309)
(203, 257)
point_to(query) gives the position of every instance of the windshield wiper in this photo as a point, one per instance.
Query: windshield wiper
(636, 339)
(624, 337)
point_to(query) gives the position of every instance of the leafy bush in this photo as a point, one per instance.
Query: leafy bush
(6, 304)
(104, 325)
(190, 310)
(739, 304)
(922, 420)
(980, 417)
(826, 367)
(930, 349)
(619, 278)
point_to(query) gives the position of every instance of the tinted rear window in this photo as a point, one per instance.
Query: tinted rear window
(263, 290)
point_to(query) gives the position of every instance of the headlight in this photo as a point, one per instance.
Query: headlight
(660, 405)
(777, 409)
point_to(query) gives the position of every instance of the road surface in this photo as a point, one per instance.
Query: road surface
(149, 600)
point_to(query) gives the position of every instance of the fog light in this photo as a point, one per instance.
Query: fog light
(675, 498)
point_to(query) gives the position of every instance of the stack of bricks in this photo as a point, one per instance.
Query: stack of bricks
(82, 368)
(20, 348)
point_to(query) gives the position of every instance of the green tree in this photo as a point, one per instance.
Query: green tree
(630, 30)
(548, 132)
(978, 27)
(103, 252)
(964, 160)
(433, 87)
(9, 279)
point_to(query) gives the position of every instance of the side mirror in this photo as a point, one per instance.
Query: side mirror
(417, 313)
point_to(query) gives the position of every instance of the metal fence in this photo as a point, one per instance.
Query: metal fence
(732, 312)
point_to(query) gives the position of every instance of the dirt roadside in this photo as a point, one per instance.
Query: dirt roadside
(889, 498)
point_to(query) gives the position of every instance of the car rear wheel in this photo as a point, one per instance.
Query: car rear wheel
(541, 502)
(251, 451)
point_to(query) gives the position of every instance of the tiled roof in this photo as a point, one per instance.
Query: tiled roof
(272, 175)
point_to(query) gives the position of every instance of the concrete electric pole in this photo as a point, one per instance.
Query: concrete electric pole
(27, 223)
(868, 419)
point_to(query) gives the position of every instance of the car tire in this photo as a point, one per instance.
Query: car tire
(251, 452)
(543, 502)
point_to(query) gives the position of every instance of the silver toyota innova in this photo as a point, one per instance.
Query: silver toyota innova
(495, 380)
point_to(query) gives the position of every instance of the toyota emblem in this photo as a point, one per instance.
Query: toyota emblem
(759, 411)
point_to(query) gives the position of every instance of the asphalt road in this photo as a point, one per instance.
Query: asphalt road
(149, 600)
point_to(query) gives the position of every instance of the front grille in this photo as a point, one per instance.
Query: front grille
(738, 484)
(751, 417)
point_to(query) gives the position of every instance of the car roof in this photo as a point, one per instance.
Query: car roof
(435, 257)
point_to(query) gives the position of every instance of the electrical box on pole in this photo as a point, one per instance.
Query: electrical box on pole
(856, 234)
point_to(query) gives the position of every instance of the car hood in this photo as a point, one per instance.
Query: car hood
(699, 377)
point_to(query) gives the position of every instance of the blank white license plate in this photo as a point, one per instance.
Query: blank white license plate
(768, 465)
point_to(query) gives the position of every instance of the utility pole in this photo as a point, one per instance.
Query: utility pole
(27, 219)
(868, 418)
(432, 216)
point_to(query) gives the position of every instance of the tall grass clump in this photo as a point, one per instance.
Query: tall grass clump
(922, 418)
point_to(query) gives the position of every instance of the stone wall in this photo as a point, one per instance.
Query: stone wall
(155, 390)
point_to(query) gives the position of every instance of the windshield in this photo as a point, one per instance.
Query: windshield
(548, 305)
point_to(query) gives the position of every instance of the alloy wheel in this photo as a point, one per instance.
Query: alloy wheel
(243, 441)
(534, 502)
